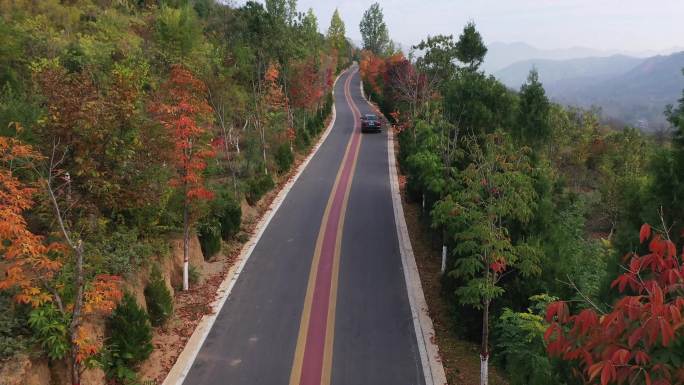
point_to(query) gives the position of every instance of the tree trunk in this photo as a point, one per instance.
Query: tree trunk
(76, 315)
(186, 245)
(444, 258)
(484, 352)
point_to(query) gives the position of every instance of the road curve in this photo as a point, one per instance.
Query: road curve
(322, 299)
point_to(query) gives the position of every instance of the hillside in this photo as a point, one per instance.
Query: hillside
(632, 90)
(637, 97)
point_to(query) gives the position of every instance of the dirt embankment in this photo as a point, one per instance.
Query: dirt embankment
(189, 306)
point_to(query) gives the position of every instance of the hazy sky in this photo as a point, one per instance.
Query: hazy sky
(630, 25)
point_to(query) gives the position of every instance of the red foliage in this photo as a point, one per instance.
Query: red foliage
(25, 255)
(306, 88)
(630, 343)
(182, 110)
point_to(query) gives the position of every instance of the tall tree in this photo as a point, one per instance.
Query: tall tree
(470, 47)
(183, 110)
(533, 125)
(493, 191)
(336, 33)
(374, 30)
(439, 56)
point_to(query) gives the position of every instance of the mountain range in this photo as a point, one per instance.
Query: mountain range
(632, 90)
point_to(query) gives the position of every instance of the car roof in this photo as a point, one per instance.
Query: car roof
(370, 116)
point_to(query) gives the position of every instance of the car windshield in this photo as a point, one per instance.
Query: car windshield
(371, 117)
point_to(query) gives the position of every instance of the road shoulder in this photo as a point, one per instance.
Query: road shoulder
(433, 370)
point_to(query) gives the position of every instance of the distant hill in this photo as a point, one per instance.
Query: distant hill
(637, 97)
(552, 71)
(501, 55)
(632, 90)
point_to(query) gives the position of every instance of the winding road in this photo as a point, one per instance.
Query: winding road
(322, 298)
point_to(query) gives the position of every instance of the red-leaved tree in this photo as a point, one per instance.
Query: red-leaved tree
(641, 339)
(183, 110)
(30, 265)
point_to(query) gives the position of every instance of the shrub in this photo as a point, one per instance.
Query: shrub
(129, 339)
(303, 139)
(158, 298)
(229, 214)
(51, 329)
(209, 234)
(520, 345)
(257, 187)
(13, 331)
(284, 158)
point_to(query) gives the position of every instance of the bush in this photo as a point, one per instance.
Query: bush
(129, 339)
(158, 298)
(209, 234)
(520, 348)
(229, 214)
(51, 328)
(13, 331)
(284, 158)
(257, 187)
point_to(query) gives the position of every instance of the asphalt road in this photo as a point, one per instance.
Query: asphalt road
(322, 299)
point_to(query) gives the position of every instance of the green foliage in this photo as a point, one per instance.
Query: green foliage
(284, 158)
(440, 53)
(14, 334)
(374, 30)
(51, 330)
(520, 347)
(336, 32)
(158, 299)
(533, 126)
(470, 49)
(257, 187)
(209, 234)
(179, 35)
(129, 340)
(494, 191)
(119, 252)
(230, 217)
(477, 104)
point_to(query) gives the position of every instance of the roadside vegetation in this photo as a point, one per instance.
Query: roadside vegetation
(562, 235)
(126, 126)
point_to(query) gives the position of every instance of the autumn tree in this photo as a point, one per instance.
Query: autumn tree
(32, 264)
(639, 339)
(182, 109)
(374, 30)
(492, 192)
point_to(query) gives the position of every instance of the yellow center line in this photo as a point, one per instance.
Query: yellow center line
(298, 361)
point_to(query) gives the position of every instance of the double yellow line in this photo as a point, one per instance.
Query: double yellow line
(312, 364)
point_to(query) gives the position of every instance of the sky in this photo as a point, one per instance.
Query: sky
(625, 25)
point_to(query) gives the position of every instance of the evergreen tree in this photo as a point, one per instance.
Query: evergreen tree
(533, 127)
(471, 50)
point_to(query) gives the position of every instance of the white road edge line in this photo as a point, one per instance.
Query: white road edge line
(433, 371)
(184, 362)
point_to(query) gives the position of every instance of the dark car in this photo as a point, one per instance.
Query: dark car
(370, 122)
